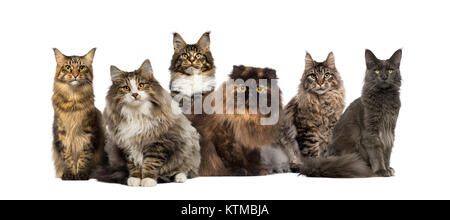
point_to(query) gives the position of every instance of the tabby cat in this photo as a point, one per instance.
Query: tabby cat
(78, 137)
(147, 141)
(316, 108)
(192, 67)
(232, 143)
(364, 136)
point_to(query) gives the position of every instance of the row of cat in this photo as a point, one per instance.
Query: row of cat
(140, 140)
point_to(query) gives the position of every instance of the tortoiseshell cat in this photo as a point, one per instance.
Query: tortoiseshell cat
(192, 67)
(316, 108)
(78, 137)
(364, 136)
(147, 141)
(231, 143)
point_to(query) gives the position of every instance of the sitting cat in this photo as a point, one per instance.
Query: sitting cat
(232, 142)
(364, 136)
(78, 137)
(147, 141)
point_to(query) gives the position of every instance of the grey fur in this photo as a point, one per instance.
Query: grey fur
(364, 136)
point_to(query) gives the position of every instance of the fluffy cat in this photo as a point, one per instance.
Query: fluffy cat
(364, 136)
(192, 67)
(316, 108)
(232, 143)
(147, 141)
(78, 137)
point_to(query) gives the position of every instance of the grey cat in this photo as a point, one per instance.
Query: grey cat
(364, 136)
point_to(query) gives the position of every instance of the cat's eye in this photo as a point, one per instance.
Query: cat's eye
(377, 71)
(184, 56)
(312, 76)
(327, 75)
(260, 89)
(390, 71)
(68, 67)
(126, 88)
(141, 86)
(82, 68)
(199, 55)
(242, 88)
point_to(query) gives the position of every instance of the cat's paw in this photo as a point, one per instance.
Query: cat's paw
(391, 171)
(133, 181)
(83, 176)
(148, 182)
(69, 176)
(383, 173)
(180, 178)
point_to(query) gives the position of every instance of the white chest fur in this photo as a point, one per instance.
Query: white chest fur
(136, 123)
(192, 84)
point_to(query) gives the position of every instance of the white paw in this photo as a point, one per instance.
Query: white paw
(148, 182)
(180, 178)
(133, 181)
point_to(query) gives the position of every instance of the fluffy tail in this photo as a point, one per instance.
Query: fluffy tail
(345, 166)
(110, 174)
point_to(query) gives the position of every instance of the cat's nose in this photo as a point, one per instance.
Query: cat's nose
(75, 74)
(135, 95)
(384, 77)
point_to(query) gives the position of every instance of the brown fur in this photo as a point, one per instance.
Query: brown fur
(316, 109)
(231, 143)
(78, 132)
(147, 138)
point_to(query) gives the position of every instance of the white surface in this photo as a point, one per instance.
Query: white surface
(260, 33)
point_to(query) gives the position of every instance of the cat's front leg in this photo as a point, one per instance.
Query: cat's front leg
(154, 158)
(309, 143)
(69, 172)
(84, 163)
(375, 155)
(134, 178)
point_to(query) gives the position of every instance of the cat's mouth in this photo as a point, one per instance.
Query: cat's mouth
(321, 91)
(193, 70)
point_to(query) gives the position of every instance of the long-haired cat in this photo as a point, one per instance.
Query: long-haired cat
(364, 136)
(232, 142)
(147, 141)
(316, 108)
(78, 137)
(192, 67)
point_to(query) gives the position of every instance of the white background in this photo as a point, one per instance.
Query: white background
(260, 33)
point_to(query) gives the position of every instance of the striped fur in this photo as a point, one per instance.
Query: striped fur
(146, 141)
(317, 106)
(77, 128)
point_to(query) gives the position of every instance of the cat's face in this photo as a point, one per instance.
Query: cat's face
(191, 58)
(74, 70)
(320, 78)
(383, 73)
(134, 88)
(255, 84)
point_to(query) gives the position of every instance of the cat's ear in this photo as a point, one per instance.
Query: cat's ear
(396, 58)
(60, 57)
(371, 59)
(178, 42)
(89, 57)
(309, 62)
(204, 41)
(115, 73)
(146, 68)
(330, 61)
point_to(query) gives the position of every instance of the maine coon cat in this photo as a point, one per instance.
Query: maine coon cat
(231, 143)
(146, 138)
(78, 137)
(364, 136)
(316, 108)
(192, 67)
